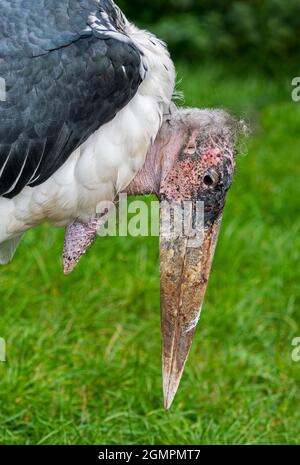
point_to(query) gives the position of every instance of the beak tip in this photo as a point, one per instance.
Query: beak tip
(170, 387)
(168, 401)
(167, 405)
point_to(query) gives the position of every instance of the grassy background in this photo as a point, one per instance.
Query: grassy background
(84, 351)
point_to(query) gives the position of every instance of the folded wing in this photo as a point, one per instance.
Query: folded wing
(65, 77)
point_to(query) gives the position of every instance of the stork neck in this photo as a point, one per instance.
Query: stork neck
(160, 159)
(148, 180)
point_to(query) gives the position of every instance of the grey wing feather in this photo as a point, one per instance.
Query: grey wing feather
(64, 79)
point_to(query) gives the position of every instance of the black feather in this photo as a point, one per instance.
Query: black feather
(63, 79)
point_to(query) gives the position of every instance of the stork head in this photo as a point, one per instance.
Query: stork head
(191, 167)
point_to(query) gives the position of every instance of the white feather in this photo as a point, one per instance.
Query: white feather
(8, 249)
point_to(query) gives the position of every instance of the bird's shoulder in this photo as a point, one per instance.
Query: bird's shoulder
(31, 28)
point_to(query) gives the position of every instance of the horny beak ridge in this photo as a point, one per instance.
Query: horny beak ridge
(185, 269)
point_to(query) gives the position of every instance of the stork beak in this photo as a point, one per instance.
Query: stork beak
(185, 270)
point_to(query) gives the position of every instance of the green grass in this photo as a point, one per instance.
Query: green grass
(84, 351)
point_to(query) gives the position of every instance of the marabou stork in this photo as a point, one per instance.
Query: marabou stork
(87, 115)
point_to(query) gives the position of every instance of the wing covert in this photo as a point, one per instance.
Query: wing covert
(55, 100)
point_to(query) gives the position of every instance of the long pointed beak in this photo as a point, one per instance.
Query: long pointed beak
(185, 271)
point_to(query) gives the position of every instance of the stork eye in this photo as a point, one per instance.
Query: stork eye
(211, 179)
(191, 149)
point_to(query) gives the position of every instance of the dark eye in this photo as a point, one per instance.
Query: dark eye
(211, 178)
(191, 149)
